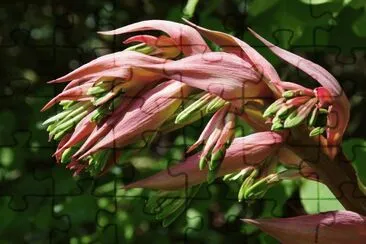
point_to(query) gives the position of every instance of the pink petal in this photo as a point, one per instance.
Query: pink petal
(147, 39)
(79, 82)
(186, 38)
(226, 133)
(60, 145)
(294, 86)
(212, 139)
(336, 227)
(219, 73)
(341, 103)
(243, 152)
(144, 115)
(317, 72)
(76, 166)
(76, 93)
(82, 130)
(337, 123)
(325, 99)
(209, 128)
(102, 65)
(297, 101)
(234, 45)
(166, 46)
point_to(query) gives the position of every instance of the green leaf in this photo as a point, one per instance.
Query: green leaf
(316, 197)
(355, 150)
(358, 26)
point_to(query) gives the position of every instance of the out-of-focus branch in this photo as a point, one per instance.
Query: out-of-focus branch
(338, 173)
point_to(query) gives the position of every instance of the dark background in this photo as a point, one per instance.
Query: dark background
(41, 202)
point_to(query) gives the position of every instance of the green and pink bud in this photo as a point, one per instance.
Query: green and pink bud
(243, 152)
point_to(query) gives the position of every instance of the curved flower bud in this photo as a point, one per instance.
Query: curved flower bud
(77, 93)
(339, 111)
(336, 227)
(244, 152)
(186, 38)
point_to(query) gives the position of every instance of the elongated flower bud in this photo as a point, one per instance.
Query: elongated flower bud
(336, 227)
(244, 152)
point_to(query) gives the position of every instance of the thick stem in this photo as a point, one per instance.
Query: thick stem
(338, 173)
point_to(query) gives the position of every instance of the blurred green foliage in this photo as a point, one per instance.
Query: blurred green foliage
(41, 202)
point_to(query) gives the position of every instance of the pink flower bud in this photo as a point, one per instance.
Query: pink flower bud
(336, 227)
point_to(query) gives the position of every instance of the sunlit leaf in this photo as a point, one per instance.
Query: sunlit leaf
(316, 197)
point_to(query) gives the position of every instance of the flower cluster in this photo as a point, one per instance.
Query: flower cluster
(119, 102)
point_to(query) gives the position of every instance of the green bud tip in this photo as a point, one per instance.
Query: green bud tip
(216, 159)
(259, 188)
(313, 117)
(202, 162)
(289, 94)
(273, 108)
(283, 111)
(298, 116)
(316, 131)
(247, 183)
(277, 127)
(323, 111)
(197, 105)
(66, 155)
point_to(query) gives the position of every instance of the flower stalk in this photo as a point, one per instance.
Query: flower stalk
(337, 173)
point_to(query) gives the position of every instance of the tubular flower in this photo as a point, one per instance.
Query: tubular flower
(331, 227)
